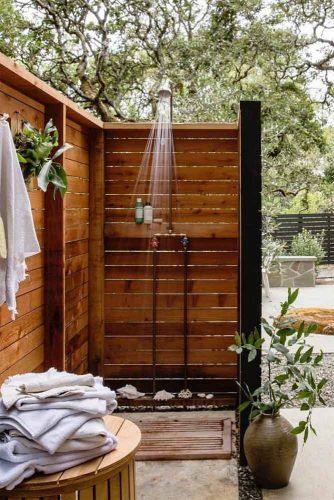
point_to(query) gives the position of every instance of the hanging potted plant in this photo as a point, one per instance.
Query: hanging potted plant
(34, 151)
(270, 441)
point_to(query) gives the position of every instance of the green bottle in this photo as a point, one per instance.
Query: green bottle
(139, 211)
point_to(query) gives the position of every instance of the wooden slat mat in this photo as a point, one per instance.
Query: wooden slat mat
(173, 438)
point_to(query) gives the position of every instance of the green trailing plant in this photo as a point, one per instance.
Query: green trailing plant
(294, 379)
(34, 151)
(306, 243)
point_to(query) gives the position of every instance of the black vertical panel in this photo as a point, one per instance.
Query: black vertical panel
(250, 244)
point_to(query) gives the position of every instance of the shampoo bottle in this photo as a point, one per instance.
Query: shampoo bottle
(148, 213)
(139, 211)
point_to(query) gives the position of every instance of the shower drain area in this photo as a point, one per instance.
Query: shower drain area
(182, 438)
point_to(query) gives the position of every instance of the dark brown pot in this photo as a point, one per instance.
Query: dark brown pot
(271, 450)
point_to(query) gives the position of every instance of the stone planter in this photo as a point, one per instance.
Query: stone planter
(293, 271)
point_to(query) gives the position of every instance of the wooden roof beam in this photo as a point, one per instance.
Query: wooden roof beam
(14, 75)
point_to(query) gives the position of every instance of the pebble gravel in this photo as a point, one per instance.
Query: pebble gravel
(326, 370)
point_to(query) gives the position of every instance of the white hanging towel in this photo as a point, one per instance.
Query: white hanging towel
(3, 244)
(15, 212)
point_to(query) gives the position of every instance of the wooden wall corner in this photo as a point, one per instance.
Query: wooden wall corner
(54, 269)
(96, 252)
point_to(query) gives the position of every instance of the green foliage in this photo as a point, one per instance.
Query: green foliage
(308, 202)
(110, 57)
(271, 249)
(34, 151)
(306, 243)
(297, 380)
(12, 27)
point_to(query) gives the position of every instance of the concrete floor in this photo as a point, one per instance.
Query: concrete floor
(312, 477)
(185, 479)
(318, 296)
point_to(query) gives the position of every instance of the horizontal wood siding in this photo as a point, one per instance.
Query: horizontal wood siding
(205, 206)
(76, 248)
(22, 340)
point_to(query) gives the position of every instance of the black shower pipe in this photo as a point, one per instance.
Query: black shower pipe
(154, 314)
(185, 245)
(170, 199)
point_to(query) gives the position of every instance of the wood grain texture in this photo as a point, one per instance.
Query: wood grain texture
(22, 340)
(183, 172)
(206, 208)
(192, 159)
(106, 477)
(96, 253)
(190, 186)
(77, 231)
(54, 270)
(138, 145)
(224, 202)
(172, 438)
(193, 230)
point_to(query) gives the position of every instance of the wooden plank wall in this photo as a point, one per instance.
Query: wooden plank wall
(76, 238)
(205, 202)
(22, 340)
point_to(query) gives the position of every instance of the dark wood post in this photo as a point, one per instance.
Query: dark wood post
(250, 292)
(54, 251)
(96, 252)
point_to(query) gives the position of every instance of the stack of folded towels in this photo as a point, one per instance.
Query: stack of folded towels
(52, 421)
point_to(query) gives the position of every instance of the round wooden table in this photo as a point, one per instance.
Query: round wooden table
(111, 476)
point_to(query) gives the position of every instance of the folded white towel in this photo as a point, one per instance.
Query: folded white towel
(15, 211)
(28, 402)
(31, 423)
(90, 435)
(52, 379)
(60, 392)
(68, 446)
(48, 384)
(95, 405)
(66, 397)
(18, 463)
(48, 428)
(58, 427)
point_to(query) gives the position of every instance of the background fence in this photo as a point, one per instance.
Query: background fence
(291, 224)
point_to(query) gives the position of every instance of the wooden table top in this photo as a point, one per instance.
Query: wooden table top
(91, 472)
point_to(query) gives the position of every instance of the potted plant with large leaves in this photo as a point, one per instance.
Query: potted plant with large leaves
(270, 441)
(34, 150)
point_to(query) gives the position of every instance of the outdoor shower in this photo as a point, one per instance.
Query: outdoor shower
(160, 157)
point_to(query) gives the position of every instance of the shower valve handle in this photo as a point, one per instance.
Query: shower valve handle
(185, 243)
(155, 243)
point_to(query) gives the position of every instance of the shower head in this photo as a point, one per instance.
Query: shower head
(165, 88)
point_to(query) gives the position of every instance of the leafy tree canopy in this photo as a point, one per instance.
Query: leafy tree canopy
(111, 55)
